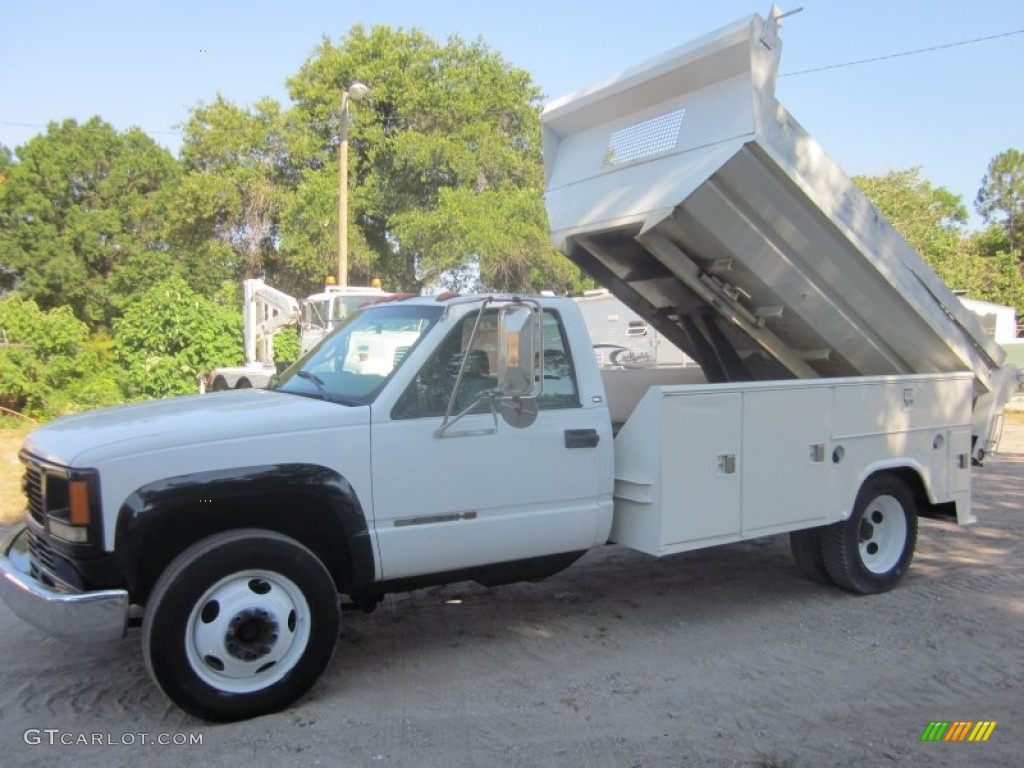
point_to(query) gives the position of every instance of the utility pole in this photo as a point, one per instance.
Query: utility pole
(355, 92)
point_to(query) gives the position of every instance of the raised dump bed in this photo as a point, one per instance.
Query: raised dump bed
(689, 191)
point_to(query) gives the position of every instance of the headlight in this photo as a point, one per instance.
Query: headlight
(64, 499)
(69, 508)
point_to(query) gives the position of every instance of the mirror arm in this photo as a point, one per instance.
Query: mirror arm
(442, 431)
(448, 420)
(492, 397)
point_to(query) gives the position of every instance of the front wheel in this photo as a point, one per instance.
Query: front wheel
(240, 624)
(871, 550)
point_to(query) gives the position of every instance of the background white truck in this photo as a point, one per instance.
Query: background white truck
(623, 339)
(431, 440)
(323, 312)
(268, 311)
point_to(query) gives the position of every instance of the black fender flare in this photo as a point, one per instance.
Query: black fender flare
(311, 503)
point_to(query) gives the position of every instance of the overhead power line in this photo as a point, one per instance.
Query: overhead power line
(823, 68)
(40, 127)
(21, 125)
(914, 52)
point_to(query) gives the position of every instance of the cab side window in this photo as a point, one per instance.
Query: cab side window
(430, 391)
(559, 385)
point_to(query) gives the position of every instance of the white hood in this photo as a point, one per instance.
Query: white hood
(89, 438)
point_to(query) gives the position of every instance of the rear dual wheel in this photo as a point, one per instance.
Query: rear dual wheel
(870, 551)
(806, 548)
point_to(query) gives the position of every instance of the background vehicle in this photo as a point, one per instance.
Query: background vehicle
(268, 311)
(624, 339)
(321, 312)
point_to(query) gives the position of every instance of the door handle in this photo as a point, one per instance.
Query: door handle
(581, 438)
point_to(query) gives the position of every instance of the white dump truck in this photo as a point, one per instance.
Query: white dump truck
(432, 440)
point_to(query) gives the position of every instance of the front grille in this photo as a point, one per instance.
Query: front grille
(33, 487)
(47, 486)
(40, 551)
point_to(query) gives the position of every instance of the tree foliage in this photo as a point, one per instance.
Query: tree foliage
(48, 364)
(932, 219)
(239, 172)
(445, 173)
(1000, 199)
(169, 335)
(82, 215)
(445, 127)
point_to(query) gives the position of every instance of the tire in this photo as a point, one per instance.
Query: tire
(243, 383)
(240, 624)
(219, 384)
(869, 552)
(806, 548)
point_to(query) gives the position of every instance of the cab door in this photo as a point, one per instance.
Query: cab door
(484, 492)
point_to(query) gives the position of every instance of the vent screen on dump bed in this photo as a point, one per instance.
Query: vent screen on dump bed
(645, 138)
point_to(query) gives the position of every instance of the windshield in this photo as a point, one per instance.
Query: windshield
(346, 305)
(351, 365)
(315, 312)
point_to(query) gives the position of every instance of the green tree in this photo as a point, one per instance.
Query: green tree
(82, 217)
(287, 345)
(1001, 196)
(932, 219)
(7, 274)
(169, 335)
(241, 167)
(48, 364)
(445, 172)
(446, 168)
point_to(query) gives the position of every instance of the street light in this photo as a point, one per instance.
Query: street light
(355, 92)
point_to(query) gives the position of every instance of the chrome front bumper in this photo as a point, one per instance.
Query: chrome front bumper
(97, 615)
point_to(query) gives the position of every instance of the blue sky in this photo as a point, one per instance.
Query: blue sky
(142, 63)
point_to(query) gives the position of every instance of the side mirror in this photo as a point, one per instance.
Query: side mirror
(518, 328)
(517, 333)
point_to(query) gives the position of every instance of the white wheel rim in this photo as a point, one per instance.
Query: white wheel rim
(247, 631)
(882, 534)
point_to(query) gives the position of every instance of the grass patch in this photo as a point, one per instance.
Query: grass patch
(12, 501)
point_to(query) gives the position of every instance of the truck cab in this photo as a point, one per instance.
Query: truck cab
(395, 455)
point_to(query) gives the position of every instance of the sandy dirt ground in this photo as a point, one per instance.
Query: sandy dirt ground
(725, 657)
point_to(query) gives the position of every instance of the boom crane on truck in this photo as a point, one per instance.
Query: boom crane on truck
(265, 312)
